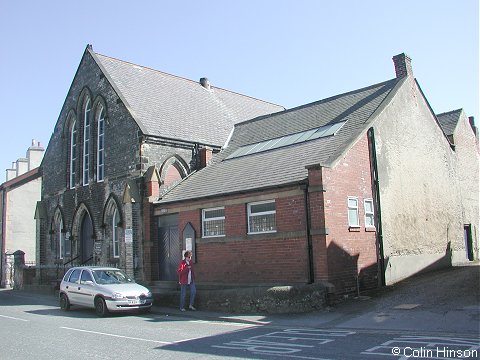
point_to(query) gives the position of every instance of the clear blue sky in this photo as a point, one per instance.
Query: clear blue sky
(286, 52)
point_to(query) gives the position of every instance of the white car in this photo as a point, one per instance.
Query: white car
(103, 288)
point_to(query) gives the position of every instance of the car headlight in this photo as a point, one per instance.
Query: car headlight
(117, 296)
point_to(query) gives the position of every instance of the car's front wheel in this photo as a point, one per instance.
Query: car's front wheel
(64, 302)
(101, 307)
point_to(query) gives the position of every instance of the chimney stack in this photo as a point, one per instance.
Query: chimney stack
(206, 154)
(403, 65)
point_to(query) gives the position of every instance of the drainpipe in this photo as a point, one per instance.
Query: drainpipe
(311, 273)
(376, 201)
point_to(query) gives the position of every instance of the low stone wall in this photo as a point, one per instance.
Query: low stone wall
(272, 300)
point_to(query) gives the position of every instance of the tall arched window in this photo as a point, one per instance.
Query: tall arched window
(60, 235)
(86, 142)
(73, 154)
(115, 237)
(100, 144)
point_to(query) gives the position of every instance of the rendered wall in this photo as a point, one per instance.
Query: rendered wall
(421, 202)
(20, 223)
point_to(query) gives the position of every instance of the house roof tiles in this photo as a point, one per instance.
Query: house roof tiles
(449, 120)
(172, 107)
(285, 165)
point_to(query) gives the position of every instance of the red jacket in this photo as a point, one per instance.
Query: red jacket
(182, 271)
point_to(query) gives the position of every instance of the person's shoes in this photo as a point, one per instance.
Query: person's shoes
(192, 308)
(182, 309)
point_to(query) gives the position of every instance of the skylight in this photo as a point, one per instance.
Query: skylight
(323, 131)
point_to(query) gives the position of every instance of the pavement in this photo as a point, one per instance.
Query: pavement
(443, 301)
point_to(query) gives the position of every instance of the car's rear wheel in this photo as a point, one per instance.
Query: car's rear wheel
(64, 302)
(101, 307)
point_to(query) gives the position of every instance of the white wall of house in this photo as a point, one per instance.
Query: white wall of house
(20, 228)
(421, 200)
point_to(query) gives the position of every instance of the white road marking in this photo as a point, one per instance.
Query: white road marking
(121, 336)
(13, 318)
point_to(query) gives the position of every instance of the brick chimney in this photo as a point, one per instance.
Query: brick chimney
(403, 65)
(206, 154)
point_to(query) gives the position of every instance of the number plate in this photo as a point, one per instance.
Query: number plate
(136, 302)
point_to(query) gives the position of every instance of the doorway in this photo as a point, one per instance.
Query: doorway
(169, 250)
(86, 240)
(467, 234)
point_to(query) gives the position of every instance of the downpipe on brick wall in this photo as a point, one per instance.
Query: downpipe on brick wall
(311, 274)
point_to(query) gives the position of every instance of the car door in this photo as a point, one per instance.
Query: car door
(71, 287)
(86, 289)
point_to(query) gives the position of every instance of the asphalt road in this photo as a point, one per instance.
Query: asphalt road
(416, 319)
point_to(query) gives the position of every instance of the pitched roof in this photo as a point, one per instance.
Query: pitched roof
(449, 120)
(285, 165)
(172, 107)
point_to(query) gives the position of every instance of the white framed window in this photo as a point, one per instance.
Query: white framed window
(369, 213)
(262, 217)
(100, 144)
(115, 239)
(86, 142)
(213, 222)
(353, 220)
(73, 154)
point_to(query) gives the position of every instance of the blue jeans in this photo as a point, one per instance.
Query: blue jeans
(183, 293)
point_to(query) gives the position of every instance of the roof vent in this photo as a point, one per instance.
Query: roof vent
(205, 83)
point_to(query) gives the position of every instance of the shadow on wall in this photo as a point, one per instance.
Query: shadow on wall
(445, 261)
(347, 275)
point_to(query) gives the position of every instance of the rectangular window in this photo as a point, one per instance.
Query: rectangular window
(262, 217)
(353, 220)
(213, 222)
(369, 213)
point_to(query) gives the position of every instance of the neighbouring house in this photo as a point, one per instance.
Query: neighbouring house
(18, 199)
(360, 189)
(124, 136)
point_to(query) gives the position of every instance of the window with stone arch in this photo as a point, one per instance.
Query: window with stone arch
(113, 225)
(100, 143)
(115, 235)
(86, 140)
(73, 152)
(172, 172)
(62, 243)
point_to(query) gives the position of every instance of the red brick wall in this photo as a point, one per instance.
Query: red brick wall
(282, 257)
(171, 176)
(351, 252)
(279, 257)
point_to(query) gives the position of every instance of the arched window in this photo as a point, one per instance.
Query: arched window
(115, 237)
(86, 142)
(73, 154)
(63, 243)
(100, 144)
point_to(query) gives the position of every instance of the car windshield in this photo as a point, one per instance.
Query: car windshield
(111, 276)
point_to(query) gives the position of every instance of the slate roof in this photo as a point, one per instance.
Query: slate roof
(172, 107)
(449, 120)
(286, 165)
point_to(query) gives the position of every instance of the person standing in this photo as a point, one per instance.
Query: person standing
(186, 277)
